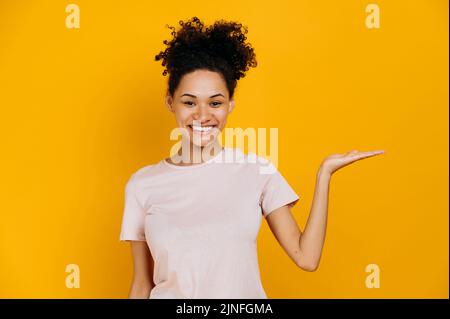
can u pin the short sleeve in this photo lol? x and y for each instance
(276, 192)
(133, 219)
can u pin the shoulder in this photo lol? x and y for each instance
(144, 171)
(259, 164)
(142, 174)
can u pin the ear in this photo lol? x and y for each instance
(231, 105)
(169, 102)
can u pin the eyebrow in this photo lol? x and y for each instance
(191, 95)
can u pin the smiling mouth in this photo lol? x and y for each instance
(202, 129)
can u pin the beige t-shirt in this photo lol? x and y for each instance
(201, 222)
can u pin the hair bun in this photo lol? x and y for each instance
(221, 46)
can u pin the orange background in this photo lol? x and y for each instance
(81, 109)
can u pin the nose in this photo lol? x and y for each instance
(201, 113)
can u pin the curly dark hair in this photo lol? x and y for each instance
(220, 47)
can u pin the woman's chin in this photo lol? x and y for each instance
(203, 140)
(202, 143)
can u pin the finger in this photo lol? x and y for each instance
(375, 152)
(351, 152)
(367, 154)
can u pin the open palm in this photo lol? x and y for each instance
(336, 161)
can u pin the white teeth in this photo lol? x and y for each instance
(202, 128)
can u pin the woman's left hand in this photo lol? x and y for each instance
(336, 161)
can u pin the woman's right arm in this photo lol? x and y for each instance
(142, 282)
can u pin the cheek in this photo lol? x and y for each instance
(182, 115)
(221, 115)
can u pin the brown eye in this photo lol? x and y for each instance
(188, 103)
(216, 104)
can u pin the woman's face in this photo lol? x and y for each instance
(201, 105)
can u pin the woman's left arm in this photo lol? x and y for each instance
(305, 249)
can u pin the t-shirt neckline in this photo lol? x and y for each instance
(222, 151)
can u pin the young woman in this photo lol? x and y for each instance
(193, 224)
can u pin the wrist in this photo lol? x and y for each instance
(323, 173)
